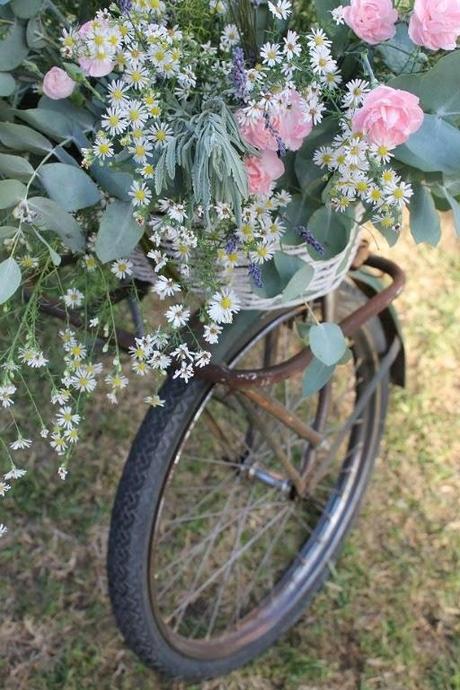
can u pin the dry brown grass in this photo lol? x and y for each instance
(388, 619)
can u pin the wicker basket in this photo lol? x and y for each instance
(328, 275)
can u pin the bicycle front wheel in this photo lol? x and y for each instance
(212, 552)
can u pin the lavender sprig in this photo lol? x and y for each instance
(310, 239)
(279, 142)
(255, 273)
(125, 5)
(238, 74)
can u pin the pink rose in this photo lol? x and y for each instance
(57, 84)
(435, 24)
(372, 20)
(388, 116)
(256, 132)
(263, 171)
(91, 66)
(294, 124)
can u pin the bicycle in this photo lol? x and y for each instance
(234, 503)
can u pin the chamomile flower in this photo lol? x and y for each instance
(21, 443)
(291, 46)
(262, 253)
(211, 333)
(154, 401)
(73, 298)
(103, 147)
(140, 193)
(177, 315)
(62, 471)
(281, 10)
(230, 37)
(122, 268)
(3, 529)
(271, 54)
(6, 394)
(398, 194)
(15, 473)
(83, 380)
(160, 134)
(67, 418)
(4, 487)
(114, 121)
(222, 305)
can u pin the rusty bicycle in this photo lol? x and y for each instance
(238, 494)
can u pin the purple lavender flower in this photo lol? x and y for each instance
(232, 244)
(279, 142)
(310, 239)
(238, 74)
(255, 273)
(125, 5)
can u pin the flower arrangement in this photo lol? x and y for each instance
(166, 149)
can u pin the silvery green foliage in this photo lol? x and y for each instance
(208, 149)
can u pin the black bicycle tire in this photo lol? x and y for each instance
(135, 504)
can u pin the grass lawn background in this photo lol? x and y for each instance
(390, 615)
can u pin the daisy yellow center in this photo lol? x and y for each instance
(226, 303)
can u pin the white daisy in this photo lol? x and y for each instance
(73, 298)
(271, 54)
(177, 315)
(222, 305)
(122, 268)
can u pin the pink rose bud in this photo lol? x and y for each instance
(388, 116)
(373, 21)
(263, 171)
(57, 84)
(435, 24)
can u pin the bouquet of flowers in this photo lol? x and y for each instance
(179, 146)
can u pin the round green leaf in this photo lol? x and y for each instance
(25, 9)
(23, 138)
(10, 279)
(299, 282)
(70, 186)
(425, 225)
(316, 376)
(7, 84)
(34, 33)
(118, 232)
(327, 343)
(434, 147)
(55, 125)
(15, 166)
(13, 48)
(50, 216)
(11, 193)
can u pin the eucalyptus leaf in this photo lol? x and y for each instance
(399, 53)
(55, 258)
(10, 279)
(7, 84)
(114, 182)
(70, 186)
(307, 172)
(299, 282)
(55, 125)
(23, 138)
(80, 116)
(118, 232)
(11, 193)
(425, 225)
(15, 166)
(455, 206)
(7, 231)
(25, 9)
(435, 146)
(316, 376)
(13, 47)
(51, 216)
(35, 33)
(298, 212)
(287, 265)
(331, 229)
(327, 342)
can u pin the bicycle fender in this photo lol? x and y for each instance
(370, 285)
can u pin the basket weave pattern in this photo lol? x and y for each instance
(328, 274)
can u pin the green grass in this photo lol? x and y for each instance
(389, 618)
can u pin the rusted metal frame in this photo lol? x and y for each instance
(385, 365)
(273, 442)
(248, 378)
(279, 411)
